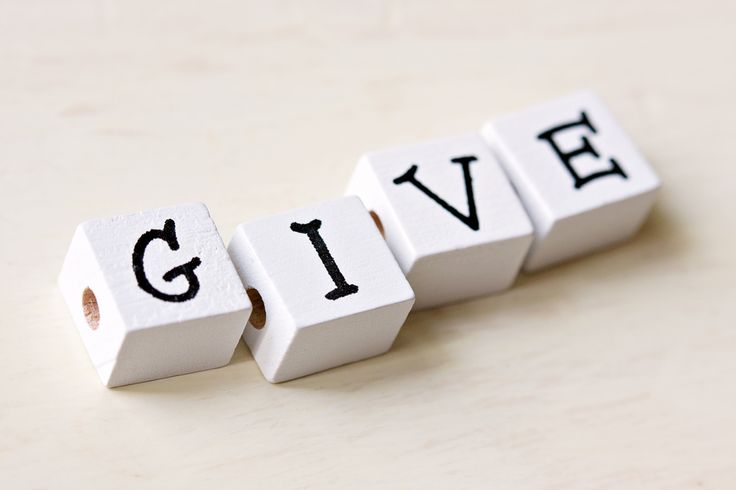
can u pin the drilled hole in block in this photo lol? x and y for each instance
(378, 223)
(258, 316)
(90, 308)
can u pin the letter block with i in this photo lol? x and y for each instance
(449, 214)
(154, 294)
(582, 180)
(325, 288)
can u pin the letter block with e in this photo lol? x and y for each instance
(582, 180)
(449, 214)
(325, 288)
(154, 294)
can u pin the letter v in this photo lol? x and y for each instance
(471, 220)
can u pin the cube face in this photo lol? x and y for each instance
(217, 290)
(332, 291)
(582, 180)
(167, 295)
(450, 216)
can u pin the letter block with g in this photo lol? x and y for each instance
(154, 294)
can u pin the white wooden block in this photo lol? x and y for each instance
(582, 180)
(331, 290)
(154, 294)
(449, 214)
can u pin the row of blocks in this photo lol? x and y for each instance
(157, 294)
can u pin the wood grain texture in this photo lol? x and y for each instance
(614, 371)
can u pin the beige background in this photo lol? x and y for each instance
(612, 372)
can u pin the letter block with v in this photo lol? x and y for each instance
(449, 214)
(154, 294)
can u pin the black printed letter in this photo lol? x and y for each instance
(167, 234)
(342, 288)
(567, 157)
(471, 220)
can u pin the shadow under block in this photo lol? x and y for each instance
(582, 180)
(154, 294)
(449, 214)
(332, 292)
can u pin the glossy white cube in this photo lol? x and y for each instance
(446, 255)
(138, 336)
(578, 202)
(306, 331)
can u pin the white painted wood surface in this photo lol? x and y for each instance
(583, 181)
(449, 214)
(609, 372)
(315, 319)
(147, 325)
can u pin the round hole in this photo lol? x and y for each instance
(377, 221)
(258, 316)
(90, 308)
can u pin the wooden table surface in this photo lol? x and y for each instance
(612, 372)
